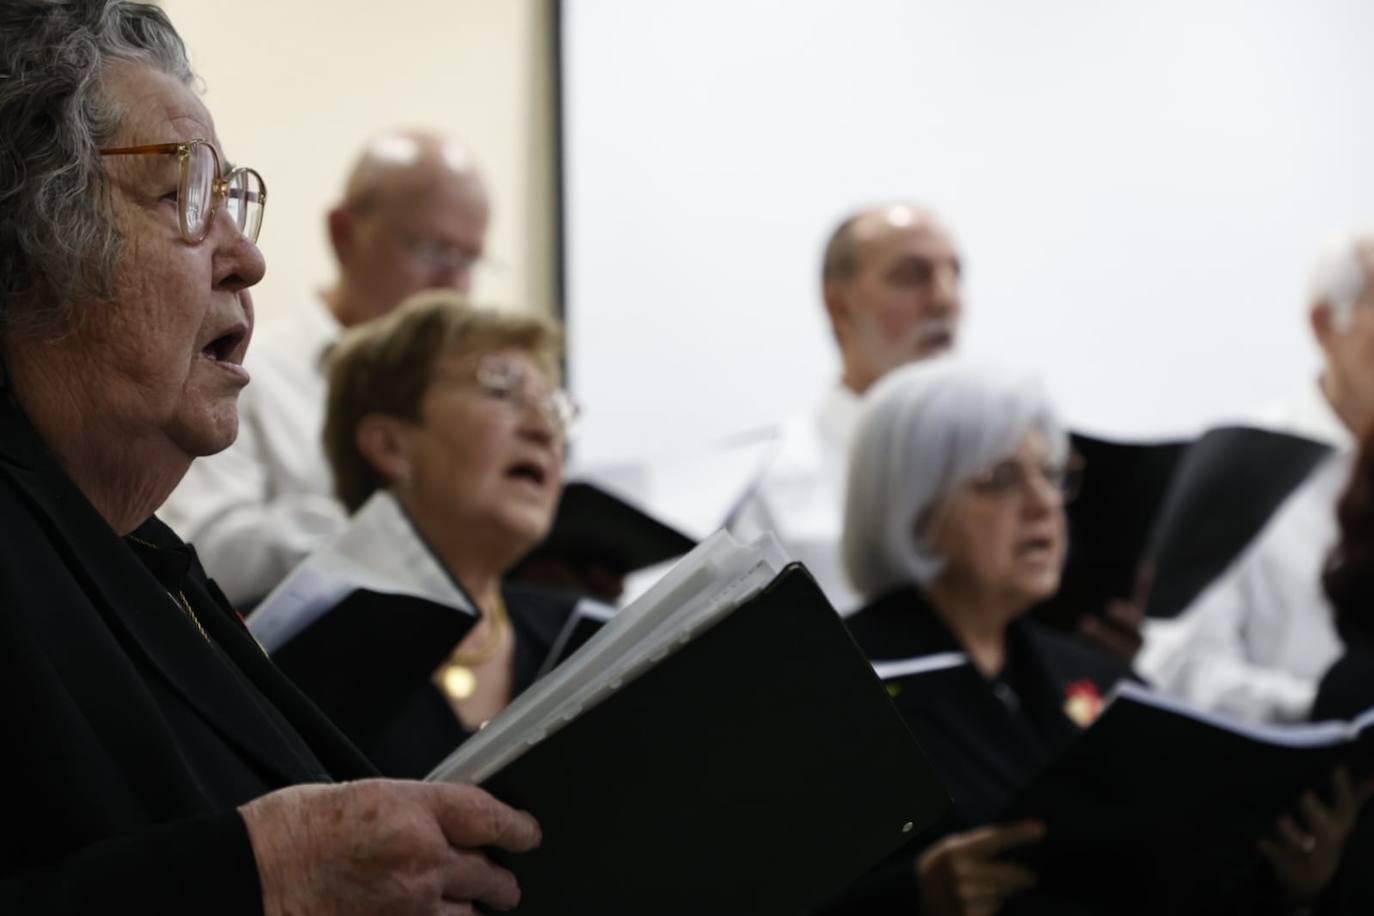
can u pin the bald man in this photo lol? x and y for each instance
(413, 216)
(890, 281)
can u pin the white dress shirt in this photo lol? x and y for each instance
(262, 505)
(800, 494)
(1256, 642)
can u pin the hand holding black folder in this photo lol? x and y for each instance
(1158, 803)
(751, 764)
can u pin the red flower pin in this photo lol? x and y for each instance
(1082, 703)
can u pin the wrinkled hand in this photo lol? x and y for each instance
(1305, 855)
(1118, 631)
(960, 875)
(384, 846)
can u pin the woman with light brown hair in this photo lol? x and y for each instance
(445, 431)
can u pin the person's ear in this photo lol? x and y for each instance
(1324, 325)
(384, 442)
(841, 312)
(343, 226)
(925, 527)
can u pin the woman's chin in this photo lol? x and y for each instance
(525, 529)
(206, 432)
(1038, 586)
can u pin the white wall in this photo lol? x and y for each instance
(297, 87)
(1137, 186)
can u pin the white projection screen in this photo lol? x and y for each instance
(1138, 189)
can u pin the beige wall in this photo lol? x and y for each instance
(296, 88)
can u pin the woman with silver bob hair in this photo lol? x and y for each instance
(929, 429)
(954, 528)
(157, 762)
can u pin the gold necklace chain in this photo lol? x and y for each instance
(179, 598)
(456, 677)
(497, 623)
(186, 606)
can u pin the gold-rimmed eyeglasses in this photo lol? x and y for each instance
(507, 381)
(202, 184)
(510, 383)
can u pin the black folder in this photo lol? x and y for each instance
(363, 686)
(586, 620)
(755, 771)
(593, 526)
(1227, 486)
(1160, 805)
(1110, 520)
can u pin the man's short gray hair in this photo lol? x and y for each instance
(926, 428)
(1339, 276)
(58, 242)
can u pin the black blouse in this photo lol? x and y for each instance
(985, 737)
(235, 778)
(426, 730)
(129, 738)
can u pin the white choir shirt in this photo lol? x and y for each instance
(1257, 641)
(800, 494)
(378, 549)
(257, 509)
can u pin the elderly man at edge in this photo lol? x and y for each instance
(1256, 642)
(413, 217)
(154, 757)
(890, 280)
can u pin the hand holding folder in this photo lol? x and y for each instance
(1307, 846)
(1159, 803)
(720, 746)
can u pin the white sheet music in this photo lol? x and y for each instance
(710, 582)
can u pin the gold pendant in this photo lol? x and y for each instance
(459, 682)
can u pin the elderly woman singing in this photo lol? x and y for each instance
(155, 760)
(445, 432)
(954, 529)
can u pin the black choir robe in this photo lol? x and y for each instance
(362, 624)
(426, 730)
(985, 738)
(129, 740)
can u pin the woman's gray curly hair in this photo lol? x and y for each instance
(58, 242)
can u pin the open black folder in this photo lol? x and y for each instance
(1226, 488)
(753, 766)
(593, 525)
(1110, 520)
(1161, 804)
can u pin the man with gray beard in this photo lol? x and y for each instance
(890, 281)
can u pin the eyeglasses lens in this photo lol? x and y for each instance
(245, 202)
(197, 191)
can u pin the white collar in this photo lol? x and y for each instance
(380, 551)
